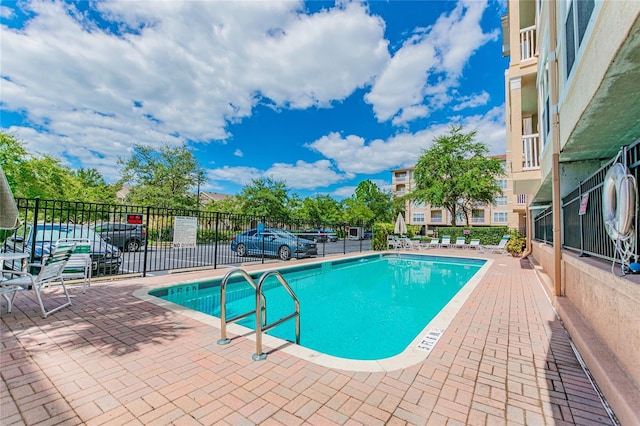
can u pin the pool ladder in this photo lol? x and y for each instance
(260, 310)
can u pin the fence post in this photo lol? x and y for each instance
(582, 253)
(215, 242)
(34, 229)
(146, 245)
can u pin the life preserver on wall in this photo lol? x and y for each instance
(618, 202)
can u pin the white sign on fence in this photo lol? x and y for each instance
(185, 231)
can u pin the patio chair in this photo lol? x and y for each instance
(474, 244)
(394, 242)
(499, 248)
(50, 271)
(446, 241)
(79, 264)
(460, 243)
(434, 243)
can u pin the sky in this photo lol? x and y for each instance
(320, 95)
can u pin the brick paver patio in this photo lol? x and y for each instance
(114, 359)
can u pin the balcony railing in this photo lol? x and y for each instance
(527, 43)
(436, 220)
(531, 152)
(477, 220)
(522, 199)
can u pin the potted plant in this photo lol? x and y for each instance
(516, 244)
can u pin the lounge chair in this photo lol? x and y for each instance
(79, 264)
(434, 243)
(51, 270)
(460, 243)
(474, 244)
(500, 248)
(411, 244)
(446, 241)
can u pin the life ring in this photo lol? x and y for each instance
(618, 202)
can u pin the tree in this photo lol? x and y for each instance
(379, 202)
(455, 173)
(265, 197)
(165, 177)
(31, 175)
(319, 210)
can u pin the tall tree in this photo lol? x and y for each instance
(164, 177)
(379, 202)
(265, 197)
(455, 173)
(321, 210)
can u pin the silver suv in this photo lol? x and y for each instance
(126, 236)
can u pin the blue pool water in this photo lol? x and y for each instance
(364, 308)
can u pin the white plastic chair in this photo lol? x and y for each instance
(474, 244)
(446, 241)
(500, 248)
(460, 242)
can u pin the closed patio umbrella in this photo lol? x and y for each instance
(8, 209)
(401, 226)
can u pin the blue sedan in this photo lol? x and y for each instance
(272, 242)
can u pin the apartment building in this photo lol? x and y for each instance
(503, 211)
(573, 103)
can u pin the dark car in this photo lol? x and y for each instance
(105, 258)
(272, 242)
(125, 236)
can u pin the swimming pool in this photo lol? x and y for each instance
(364, 308)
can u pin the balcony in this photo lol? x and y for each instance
(531, 152)
(522, 199)
(477, 220)
(527, 43)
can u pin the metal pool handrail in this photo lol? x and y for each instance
(223, 305)
(260, 328)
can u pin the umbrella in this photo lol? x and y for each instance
(8, 209)
(401, 227)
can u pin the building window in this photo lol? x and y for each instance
(500, 201)
(578, 18)
(436, 216)
(418, 204)
(477, 216)
(500, 217)
(502, 183)
(417, 217)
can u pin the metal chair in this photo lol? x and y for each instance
(51, 270)
(79, 264)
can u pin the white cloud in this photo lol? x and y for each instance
(352, 154)
(301, 175)
(238, 153)
(177, 71)
(474, 101)
(422, 72)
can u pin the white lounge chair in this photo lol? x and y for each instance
(434, 243)
(446, 241)
(50, 271)
(474, 244)
(500, 248)
(460, 243)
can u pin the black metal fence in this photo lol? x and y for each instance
(143, 240)
(585, 233)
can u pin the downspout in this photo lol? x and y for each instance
(555, 140)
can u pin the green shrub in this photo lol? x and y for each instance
(516, 244)
(486, 234)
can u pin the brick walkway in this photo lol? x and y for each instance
(114, 359)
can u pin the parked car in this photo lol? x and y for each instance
(125, 236)
(316, 235)
(367, 235)
(105, 258)
(272, 242)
